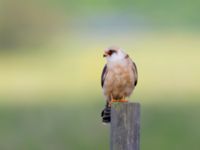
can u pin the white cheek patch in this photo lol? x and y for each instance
(116, 56)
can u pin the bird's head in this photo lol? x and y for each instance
(114, 54)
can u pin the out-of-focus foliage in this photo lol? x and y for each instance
(51, 62)
(34, 23)
(25, 24)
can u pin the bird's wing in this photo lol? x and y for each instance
(134, 68)
(103, 75)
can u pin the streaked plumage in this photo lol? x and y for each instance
(119, 77)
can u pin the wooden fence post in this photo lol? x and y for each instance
(125, 126)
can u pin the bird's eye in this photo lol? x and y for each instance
(110, 52)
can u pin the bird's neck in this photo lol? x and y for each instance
(120, 62)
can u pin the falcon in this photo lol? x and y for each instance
(118, 79)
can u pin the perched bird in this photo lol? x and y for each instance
(118, 79)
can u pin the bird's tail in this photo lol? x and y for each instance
(106, 113)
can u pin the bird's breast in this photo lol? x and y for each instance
(119, 81)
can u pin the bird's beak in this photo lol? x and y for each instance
(105, 54)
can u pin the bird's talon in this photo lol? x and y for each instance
(123, 100)
(117, 101)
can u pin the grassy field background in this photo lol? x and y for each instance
(51, 62)
(79, 127)
(53, 100)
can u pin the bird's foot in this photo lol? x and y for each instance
(117, 101)
(122, 100)
(114, 100)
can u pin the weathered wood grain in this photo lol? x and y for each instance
(125, 126)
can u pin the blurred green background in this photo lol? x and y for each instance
(51, 62)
